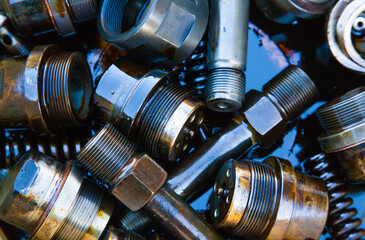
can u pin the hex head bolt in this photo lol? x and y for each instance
(343, 119)
(46, 90)
(227, 52)
(168, 30)
(138, 182)
(147, 107)
(269, 200)
(48, 200)
(287, 12)
(41, 16)
(262, 121)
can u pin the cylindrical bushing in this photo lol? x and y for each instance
(344, 122)
(146, 106)
(288, 11)
(51, 201)
(269, 200)
(46, 90)
(168, 30)
(227, 53)
(40, 16)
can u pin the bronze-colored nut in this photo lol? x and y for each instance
(139, 182)
(264, 119)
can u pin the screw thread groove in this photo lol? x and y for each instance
(343, 112)
(106, 153)
(157, 114)
(57, 89)
(83, 10)
(225, 80)
(82, 213)
(137, 221)
(292, 91)
(261, 203)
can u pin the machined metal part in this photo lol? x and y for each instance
(40, 16)
(288, 11)
(51, 201)
(341, 222)
(63, 147)
(227, 53)
(168, 30)
(346, 34)
(262, 121)
(114, 233)
(269, 200)
(344, 122)
(148, 107)
(13, 45)
(47, 90)
(138, 182)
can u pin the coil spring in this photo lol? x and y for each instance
(341, 222)
(195, 68)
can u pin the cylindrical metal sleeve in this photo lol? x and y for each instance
(177, 218)
(197, 171)
(83, 10)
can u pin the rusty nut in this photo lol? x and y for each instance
(139, 182)
(263, 118)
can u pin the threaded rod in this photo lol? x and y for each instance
(83, 10)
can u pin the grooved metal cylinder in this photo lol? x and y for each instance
(261, 121)
(47, 90)
(227, 52)
(343, 119)
(13, 45)
(14, 143)
(117, 234)
(138, 182)
(49, 201)
(137, 222)
(269, 200)
(288, 12)
(146, 106)
(41, 16)
(169, 30)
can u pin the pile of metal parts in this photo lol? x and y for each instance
(118, 116)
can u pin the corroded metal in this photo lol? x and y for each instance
(269, 200)
(138, 182)
(51, 201)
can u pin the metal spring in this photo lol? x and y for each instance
(195, 68)
(341, 222)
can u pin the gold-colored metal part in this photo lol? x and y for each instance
(269, 200)
(49, 201)
(344, 121)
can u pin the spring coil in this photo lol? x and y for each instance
(195, 68)
(341, 222)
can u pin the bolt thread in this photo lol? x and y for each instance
(157, 114)
(106, 153)
(225, 80)
(82, 213)
(127, 235)
(137, 221)
(292, 91)
(343, 112)
(57, 89)
(83, 10)
(262, 202)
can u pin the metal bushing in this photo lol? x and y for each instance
(146, 106)
(47, 90)
(346, 34)
(168, 30)
(40, 16)
(288, 11)
(49, 201)
(344, 122)
(269, 200)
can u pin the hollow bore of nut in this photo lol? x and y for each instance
(6, 40)
(120, 16)
(76, 81)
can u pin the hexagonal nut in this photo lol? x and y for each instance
(264, 119)
(139, 182)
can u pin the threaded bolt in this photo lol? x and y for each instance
(83, 10)
(137, 221)
(292, 91)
